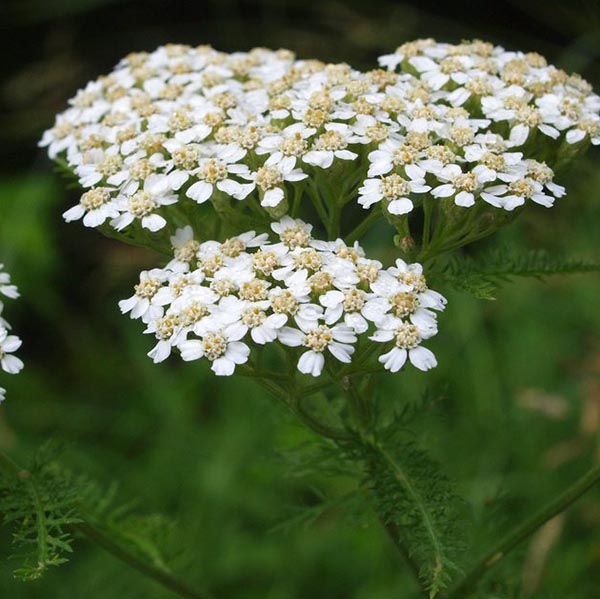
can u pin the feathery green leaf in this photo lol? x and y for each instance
(416, 501)
(483, 276)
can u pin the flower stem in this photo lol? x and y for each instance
(95, 534)
(292, 398)
(523, 531)
(363, 227)
(361, 405)
(427, 214)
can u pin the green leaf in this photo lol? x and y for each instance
(40, 504)
(482, 276)
(416, 502)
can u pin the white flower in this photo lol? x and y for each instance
(141, 304)
(436, 75)
(142, 205)
(293, 232)
(318, 338)
(178, 283)
(271, 177)
(95, 206)
(395, 189)
(514, 194)
(586, 127)
(167, 330)
(216, 172)
(403, 295)
(463, 185)
(406, 338)
(391, 153)
(292, 141)
(349, 303)
(331, 144)
(254, 317)
(8, 343)
(185, 249)
(219, 344)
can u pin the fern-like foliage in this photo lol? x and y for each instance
(417, 505)
(483, 276)
(40, 504)
(45, 505)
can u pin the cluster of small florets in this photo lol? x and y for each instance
(219, 301)
(8, 343)
(195, 124)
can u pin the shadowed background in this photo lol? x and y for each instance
(521, 415)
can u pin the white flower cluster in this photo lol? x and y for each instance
(486, 122)
(184, 123)
(8, 343)
(217, 300)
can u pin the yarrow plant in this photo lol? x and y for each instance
(258, 175)
(213, 298)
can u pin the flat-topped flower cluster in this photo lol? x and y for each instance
(8, 343)
(469, 122)
(222, 300)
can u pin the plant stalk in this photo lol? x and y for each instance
(523, 531)
(96, 535)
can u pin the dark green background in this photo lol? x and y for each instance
(521, 417)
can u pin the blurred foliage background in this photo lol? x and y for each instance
(520, 417)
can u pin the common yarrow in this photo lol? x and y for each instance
(463, 134)
(220, 300)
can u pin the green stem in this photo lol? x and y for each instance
(93, 533)
(362, 412)
(523, 531)
(333, 229)
(163, 578)
(293, 400)
(363, 227)
(255, 373)
(428, 212)
(394, 535)
(317, 201)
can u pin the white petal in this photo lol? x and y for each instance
(154, 222)
(290, 337)
(311, 362)
(519, 135)
(223, 367)
(394, 360)
(272, 197)
(575, 135)
(11, 364)
(200, 191)
(74, 213)
(443, 191)
(342, 352)
(464, 198)
(11, 343)
(160, 352)
(190, 350)
(422, 358)
(322, 158)
(401, 206)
